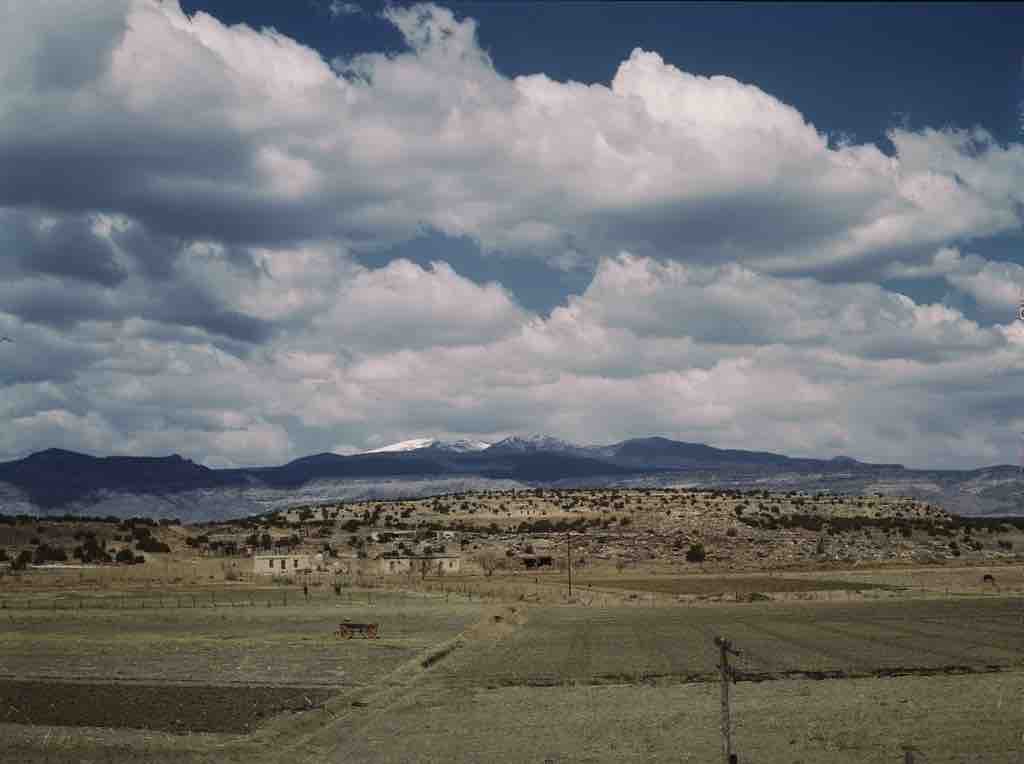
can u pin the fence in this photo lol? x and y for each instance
(284, 598)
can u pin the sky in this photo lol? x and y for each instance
(245, 232)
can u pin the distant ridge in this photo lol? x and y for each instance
(57, 480)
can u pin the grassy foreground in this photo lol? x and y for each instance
(454, 679)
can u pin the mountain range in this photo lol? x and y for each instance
(56, 481)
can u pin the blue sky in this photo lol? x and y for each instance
(853, 70)
(245, 232)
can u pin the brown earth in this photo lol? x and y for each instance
(165, 707)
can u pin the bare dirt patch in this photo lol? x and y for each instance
(723, 585)
(169, 708)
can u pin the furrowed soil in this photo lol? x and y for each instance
(228, 646)
(172, 708)
(857, 680)
(567, 645)
(731, 585)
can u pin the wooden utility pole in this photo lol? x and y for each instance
(568, 559)
(728, 674)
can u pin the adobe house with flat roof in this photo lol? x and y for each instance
(437, 564)
(280, 563)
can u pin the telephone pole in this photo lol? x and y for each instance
(568, 558)
(728, 674)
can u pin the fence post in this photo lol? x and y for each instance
(727, 675)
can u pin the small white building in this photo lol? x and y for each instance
(281, 563)
(435, 564)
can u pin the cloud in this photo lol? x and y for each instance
(404, 305)
(188, 210)
(202, 130)
(716, 353)
(337, 8)
(996, 287)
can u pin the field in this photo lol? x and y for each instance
(96, 676)
(219, 665)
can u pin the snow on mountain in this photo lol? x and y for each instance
(462, 446)
(406, 445)
(415, 444)
(534, 443)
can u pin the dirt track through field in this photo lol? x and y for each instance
(413, 701)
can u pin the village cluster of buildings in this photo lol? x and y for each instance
(379, 553)
(289, 563)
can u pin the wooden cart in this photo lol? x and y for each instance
(347, 630)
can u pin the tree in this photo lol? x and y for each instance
(150, 544)
(22, 560)
(45, 553)
(696, 553)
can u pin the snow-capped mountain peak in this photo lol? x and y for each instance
(534, 442)
(462, 446)
(415, 444)
(406, 445)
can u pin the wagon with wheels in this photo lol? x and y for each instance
(348, 629)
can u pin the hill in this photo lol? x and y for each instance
(57, 481)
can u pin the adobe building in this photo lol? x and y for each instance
(437, 564)
(281, 563)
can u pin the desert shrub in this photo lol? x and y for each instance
(45, 553)
(149, 544)
(731, 533)
(1004, 544)
(3, 555)
(125, 556)
(696, 553)
(22, 560)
